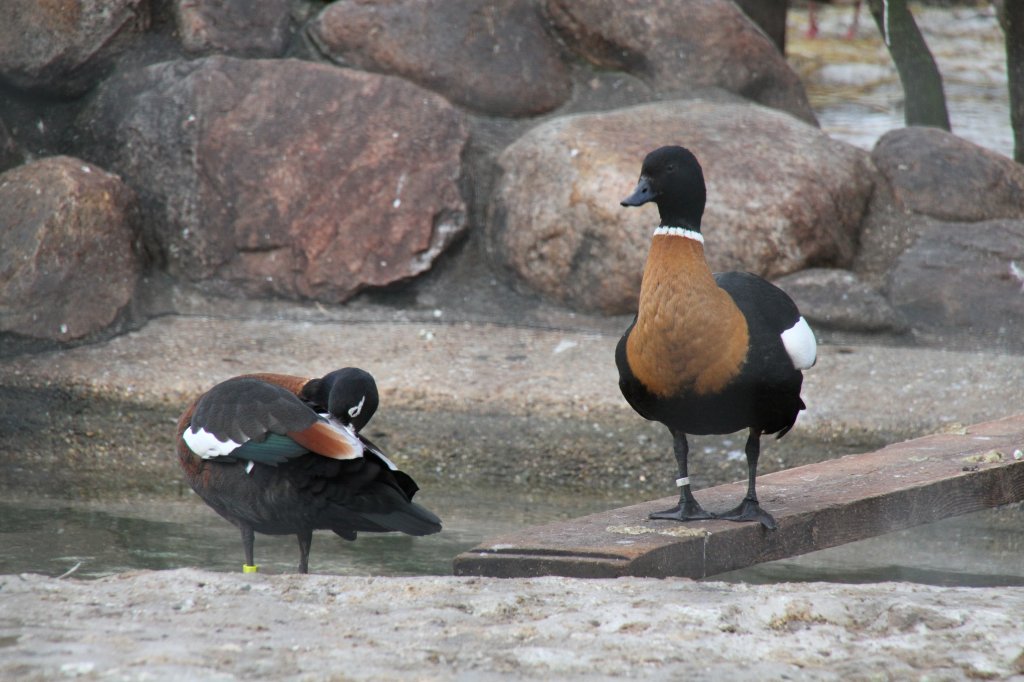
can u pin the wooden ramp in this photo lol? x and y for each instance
(816, 506)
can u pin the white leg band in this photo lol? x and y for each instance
(680, 482)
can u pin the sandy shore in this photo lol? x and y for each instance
(192, 624)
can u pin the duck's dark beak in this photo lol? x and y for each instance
(641, 195)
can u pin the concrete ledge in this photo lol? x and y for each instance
(817, 506)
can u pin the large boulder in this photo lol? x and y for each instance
(69, 264)
(237, 27)
(492, 57)
(284, 177)
(62, 47)
(677, 45)
(938, 174)
(964, 282)
(929, 176)
(782, 196)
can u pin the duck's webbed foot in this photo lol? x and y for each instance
(686, 510)
(750, 510)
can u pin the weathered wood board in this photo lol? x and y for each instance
(817, 506)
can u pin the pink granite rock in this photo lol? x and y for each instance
(285, 177)
(680, 45)
(63, 47)
(493, 57)
(69, 264)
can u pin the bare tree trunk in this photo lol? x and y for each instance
(1011, 16)
(925, 102)
(770, 15)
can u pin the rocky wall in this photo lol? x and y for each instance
(312, 152)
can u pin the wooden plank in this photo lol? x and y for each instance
(817, 506)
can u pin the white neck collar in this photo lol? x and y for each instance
(679, 232)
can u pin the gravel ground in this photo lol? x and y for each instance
(505, 369)
(466, 401)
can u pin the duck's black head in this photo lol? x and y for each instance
(349, 394)
(672, 178)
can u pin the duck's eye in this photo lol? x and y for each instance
(354, 411)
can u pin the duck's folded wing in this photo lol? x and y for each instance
(253, 419)
(777, 315)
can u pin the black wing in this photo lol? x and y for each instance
(766, 306)
(250, 418)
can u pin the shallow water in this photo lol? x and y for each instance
(982, 549)
(102, 538)
(855, 89)
(52, 537)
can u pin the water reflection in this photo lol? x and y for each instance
(983, 549)
(52, 537)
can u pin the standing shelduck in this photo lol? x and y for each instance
(282, 455)
(707, 353)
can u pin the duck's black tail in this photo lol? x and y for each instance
(389, 509)
(409, 518)
(371, 495)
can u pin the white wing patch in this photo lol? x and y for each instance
(384, 458)
(801, 345)
(207, 445)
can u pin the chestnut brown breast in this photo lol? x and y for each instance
(689, 335)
